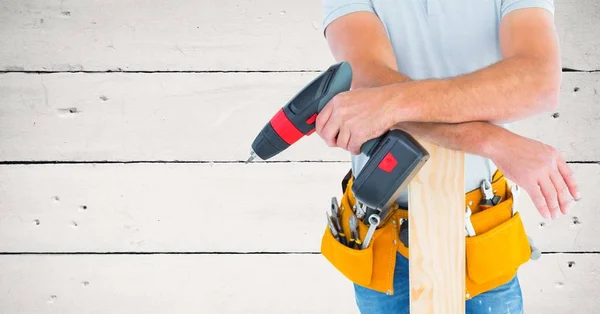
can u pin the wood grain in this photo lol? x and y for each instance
(224, 284)
(437, 234)
(165, 207)
(128, 117)
(207, 35)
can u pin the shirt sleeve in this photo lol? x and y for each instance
(333, 9)
(511, 5)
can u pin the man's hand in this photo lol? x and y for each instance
(352, 118)
(539, 169)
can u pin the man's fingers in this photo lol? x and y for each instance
(343, 138)
(567, 174)
(330, 131)
(322, 119)
(564, 197)
(539, 201)
(353, 147)
(549, 192)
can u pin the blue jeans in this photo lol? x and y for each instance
(502, 300)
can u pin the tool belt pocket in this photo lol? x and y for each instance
(371, 267)
(355, 264)
(500, 246)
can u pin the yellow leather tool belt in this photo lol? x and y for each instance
(493, 255)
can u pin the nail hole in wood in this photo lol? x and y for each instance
(570, 264)
(576, 220)
(36, 222)
(576, 89)
(52, 299)
(555, 115)
(542, 224)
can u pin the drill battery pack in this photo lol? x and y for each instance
(392, 164)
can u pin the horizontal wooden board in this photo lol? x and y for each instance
(241, 284)
(212, 208)
(72, 35)
(124, 117)
(578, 26)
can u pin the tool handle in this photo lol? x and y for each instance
(339, 82)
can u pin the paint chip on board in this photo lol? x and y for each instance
(55, 198)
(52, 299)
(66, 13)
(103, 98)
(559, 284)
(67, 112)
(85, 283)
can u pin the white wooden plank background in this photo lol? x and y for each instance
(50, 211)
(167, 208)
(184, 35)
(188, 116)
(241, 284)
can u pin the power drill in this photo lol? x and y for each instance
(394, 158)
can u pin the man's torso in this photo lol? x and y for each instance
(440, 39)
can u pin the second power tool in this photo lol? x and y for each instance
(394, 158)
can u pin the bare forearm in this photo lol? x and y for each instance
(510, 90)
(470, 137)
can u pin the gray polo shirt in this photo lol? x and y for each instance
(439, 39)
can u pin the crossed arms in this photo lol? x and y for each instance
(456, 112)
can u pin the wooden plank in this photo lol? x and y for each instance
(573, 128)
(578, 28)
(146, 116)
(226, 284)
(73, 35)
(166, 207)
(190, 116)
(561, 283)
(437, 237)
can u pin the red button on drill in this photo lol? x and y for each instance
(312, 119)
(388, 163)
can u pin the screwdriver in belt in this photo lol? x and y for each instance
(354, 235)
(332, 228)
(335, 216)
